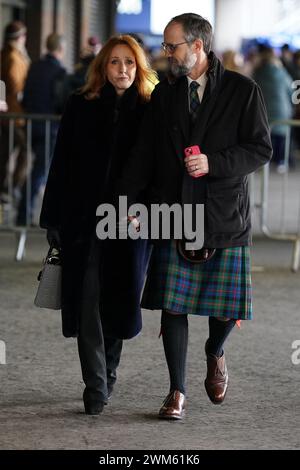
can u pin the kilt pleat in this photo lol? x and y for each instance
(220, 287)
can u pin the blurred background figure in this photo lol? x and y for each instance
(296, 130)
(94, 46)
(14, 68)
(160, 64)
(287, 59)
(3, 106)
(138, 39)
(251, 61)
(276, 86)
(77, 79)
(141, 42)
(296, 64)
(233, 61)
(43, 94)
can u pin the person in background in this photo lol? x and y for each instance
(14, 68)
(233, 61)
(287, 60)
(251, 61)
(160, 64)
(296, 130)
(101, 279)
(296, 62)
(42, 95)
(276, 86)
(139, 40)
(77, 79)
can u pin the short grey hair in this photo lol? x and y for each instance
(195, 27)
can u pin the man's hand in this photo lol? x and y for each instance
(197, 165)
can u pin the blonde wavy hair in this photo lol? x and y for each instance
(145, 79)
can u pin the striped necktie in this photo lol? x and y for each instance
(194, 100)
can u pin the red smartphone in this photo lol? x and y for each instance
(193, 150)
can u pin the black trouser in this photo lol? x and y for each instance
(99, 355)
(38, 175)
(19, 140)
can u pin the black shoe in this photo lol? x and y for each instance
(111, 380)
(110, 388)
(93, 408)
(92, 404)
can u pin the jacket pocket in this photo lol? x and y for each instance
(225, 213)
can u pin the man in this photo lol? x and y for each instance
(14, 67)
(77, 79)
(43, 94)
(223, 113)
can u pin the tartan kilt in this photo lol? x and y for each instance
(221, 287)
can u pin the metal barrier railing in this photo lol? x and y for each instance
(8, 207)
(9, 222)
(286, 199)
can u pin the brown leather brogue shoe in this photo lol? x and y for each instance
(173, 406)
(216, 381)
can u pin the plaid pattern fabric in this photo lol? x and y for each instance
(194, 100)
(220, 288)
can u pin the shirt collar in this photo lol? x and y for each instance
(202, 80)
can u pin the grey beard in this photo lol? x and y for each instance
(178, 70)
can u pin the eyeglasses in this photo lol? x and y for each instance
(171, 48)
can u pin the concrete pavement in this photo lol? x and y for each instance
(41, 386)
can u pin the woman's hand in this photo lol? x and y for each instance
(135, 222)
(197, 165)
(124, 223)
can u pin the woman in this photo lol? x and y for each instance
(102, 280)
(14, 62)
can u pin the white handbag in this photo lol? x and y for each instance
(49, 290)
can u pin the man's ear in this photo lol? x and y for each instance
(198, 45)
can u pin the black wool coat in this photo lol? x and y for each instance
(93, 145)
(231, 129)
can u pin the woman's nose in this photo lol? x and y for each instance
(122, 67)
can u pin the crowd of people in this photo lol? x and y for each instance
(274, 71)
(40, 88)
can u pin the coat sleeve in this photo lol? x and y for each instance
(138, 172)
(56, 187)
(59, 93)
(16, 76)
(254, 147)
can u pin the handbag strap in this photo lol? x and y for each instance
(49, 254)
